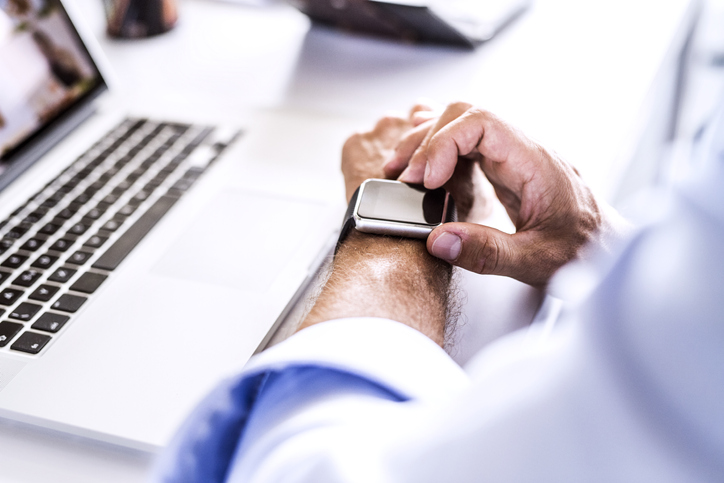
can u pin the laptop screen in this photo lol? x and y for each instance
(46, 73)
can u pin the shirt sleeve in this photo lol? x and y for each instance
(318, 377)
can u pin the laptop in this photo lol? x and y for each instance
(141, 261)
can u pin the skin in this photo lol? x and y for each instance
(397, 279)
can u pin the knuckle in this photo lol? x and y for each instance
(420, 107)
(352, 141)
(388, 121)
(491, 254)
(355, 138)
(459, 106)
(483, 256)
(480, 113)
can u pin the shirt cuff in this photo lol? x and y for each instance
(386, 352)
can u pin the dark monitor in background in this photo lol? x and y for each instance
(464, 23)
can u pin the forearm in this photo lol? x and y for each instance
(377, 276)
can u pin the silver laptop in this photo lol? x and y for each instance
(140, 260)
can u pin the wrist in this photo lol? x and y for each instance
(388, 277)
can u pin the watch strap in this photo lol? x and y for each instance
(348, 223)
(452, 211)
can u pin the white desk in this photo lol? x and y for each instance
(585, 78)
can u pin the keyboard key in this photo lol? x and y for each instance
(31, 342)
(123, 186)
(78, 229)
(98, 185)
(6, 243)
(69, 211)
(88, 282)
(9, 296)
(93, 214)
(156, 180)
(35, 216)
(32, 244)
(17, 211)
(4, 276)
(62, 275)
(141, 196)
(49, 229)
(67, 187)
(50, 322)
(18, 231)
(152, 185)
(58, 221)
(111, 225)
(28, 278)
(95, 241)
(25, 311)
(82, 198)
(44, 293)
(110, 199)
(14, 261)
(44, 261)
(69, 303)
(79, 257)
(61, 245)
(127, 210)
(49, 203)
(123, 246)
(110, 173)
(91, 191)
(8, 330)
(138, 172)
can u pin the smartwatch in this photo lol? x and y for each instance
(386, 207)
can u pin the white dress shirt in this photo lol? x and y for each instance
(628, 387)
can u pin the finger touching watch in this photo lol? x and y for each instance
(386, 207)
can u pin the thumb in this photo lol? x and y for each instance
(477, 248)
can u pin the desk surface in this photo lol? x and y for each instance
(574, 75)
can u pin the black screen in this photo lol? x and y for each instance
(393, 201)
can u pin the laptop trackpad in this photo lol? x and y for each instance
(241, 240)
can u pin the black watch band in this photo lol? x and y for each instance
(348, 222)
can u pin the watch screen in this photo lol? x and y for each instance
(393, 201)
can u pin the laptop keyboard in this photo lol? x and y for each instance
(60, 246)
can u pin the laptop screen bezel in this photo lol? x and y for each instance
(27, 152)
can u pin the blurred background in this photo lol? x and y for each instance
(619, 88)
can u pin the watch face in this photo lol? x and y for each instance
(401, 202)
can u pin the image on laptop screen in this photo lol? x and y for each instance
(44, 71)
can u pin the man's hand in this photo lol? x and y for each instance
(364, 154)
(554, 212)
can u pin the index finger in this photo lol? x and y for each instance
(475, 130)
(417, 164)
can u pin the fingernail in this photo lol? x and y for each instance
(447, 246)
(404, 175)
(427, 171)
